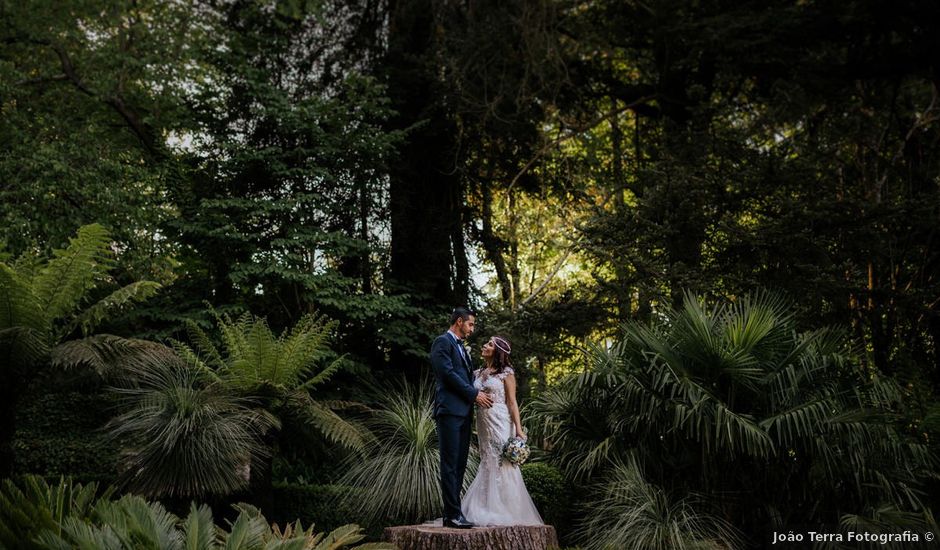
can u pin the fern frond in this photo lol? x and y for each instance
(62, 283)
(19, 306)
(110, 355)
(190, 358)
(92, 316)
(330, 424)
(22, 348)
(207, 351)
(325, 374)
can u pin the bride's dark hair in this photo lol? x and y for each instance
(501, 350)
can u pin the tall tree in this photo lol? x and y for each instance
(425, 196)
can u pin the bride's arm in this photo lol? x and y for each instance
(510, 383)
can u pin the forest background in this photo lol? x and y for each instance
(562, 167)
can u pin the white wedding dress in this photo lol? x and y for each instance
(497, 495)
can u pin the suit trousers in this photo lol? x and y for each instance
(453, 436)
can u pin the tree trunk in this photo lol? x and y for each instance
(518, 537)
(424, 187)
(624, 288)
(492, 244)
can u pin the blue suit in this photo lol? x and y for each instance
(454, 395)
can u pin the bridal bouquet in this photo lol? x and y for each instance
(516, 451)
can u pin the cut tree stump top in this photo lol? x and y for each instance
(515, 537)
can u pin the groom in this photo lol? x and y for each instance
(454, 397)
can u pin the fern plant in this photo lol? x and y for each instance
(278, 371)
(50, 300)
(44, 303)
(205, 419)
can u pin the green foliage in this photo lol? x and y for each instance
(83, 120)
(205, 420)
(703, 390)
(552, 495)
(325, 506)
(36, 515)
(398, 474)
(185, 436)
(277, 371)
(44, 302)
(628, 512)
(59, 434)
(30, 506)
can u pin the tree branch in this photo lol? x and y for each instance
(144, 133)
(574, 133)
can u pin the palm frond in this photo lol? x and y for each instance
(706, 388)
(76, 533)
(135, 519)
(31, 505)
(199, 532)
(800, 422)
(247, 532)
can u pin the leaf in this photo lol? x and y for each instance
(198, 528)
(62, 283)
(91, 317)
(19, 306)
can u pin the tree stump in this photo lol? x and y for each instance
(516, 537)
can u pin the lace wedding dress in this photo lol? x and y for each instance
(497, 495)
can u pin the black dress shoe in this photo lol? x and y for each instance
(459, 523)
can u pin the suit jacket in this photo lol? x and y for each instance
(454, 393)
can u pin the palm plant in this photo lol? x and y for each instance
(704, 392)
(398, 475)
(46, 303)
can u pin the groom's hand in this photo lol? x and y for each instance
(484, 400)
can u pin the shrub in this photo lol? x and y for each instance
(732, 387)
(325, 507)
(552, 495)
(59, 434)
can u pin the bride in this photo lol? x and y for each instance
(497, 495)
